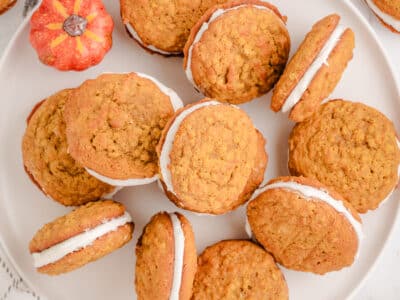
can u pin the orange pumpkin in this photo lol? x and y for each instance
(71, 34)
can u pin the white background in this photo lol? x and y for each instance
(383, 282)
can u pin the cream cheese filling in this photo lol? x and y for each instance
(179, 246)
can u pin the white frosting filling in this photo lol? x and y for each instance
(176, 103)
(78, 242)
(179, 239)
(388, 19)
(135, 35)
(204, 28)
(122, 182)
(309, 192)
(169, 140)
(312, 70)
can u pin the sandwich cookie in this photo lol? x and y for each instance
(349, 147)
(387, 11)
(166, 259)
(315, 69)
(211, 157)
(46, 159)
(114, 123)
(238, 269)
(229, 56)
(6, 5)
(82, 236)
(304, 225)
(162, 28)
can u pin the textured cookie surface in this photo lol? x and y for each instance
(242, 53)
(238, 269)
(114, 123)
(79, 220)
(301, 233)
(155, 254)
(217, 159)
(164, 24)
(326, 78)
(350, 147)
(46, 158)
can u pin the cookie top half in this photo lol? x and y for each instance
(211, 157)
(166, 258)
(315, 69)
(305, 225)
(237, 51)
(163, 27)
(46, 158)
(350, 147)
(388, 12)
(81, 236)
(238, 269)
(114, 123)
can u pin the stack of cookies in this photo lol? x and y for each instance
(83, 144)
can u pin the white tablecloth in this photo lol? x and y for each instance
(382, 283)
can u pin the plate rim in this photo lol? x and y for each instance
(395, 221)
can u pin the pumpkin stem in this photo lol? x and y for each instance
(75, 25)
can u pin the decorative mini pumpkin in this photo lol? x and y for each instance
(71, 34)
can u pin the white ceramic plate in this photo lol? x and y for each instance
(23, 208)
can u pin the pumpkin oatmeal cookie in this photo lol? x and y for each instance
(82, 236)
(238, 269)
(114, 123)
(315, 69)
(211, 157)
(349, 147)
(237, 51)
(304, 225)
(166, 258)
(46, 159)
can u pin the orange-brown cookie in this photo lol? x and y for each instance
(388, 13)
(6, 5)
(238, 269)
(211, 157)
(46, 159)
(163, 27)
(114, 123)
(315, 69)
(82, 236)
(237, 51)
(304, 225)
(350, 147)
(166, 259)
